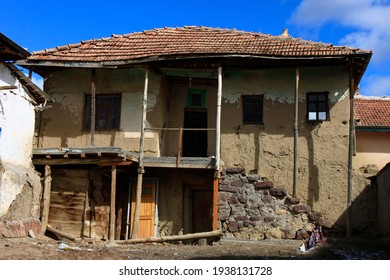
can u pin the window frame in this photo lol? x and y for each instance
(317, 103)
(87, 111)
(252, 120)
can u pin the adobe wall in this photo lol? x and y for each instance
(383, 179)
(267, 149)
(68, 88)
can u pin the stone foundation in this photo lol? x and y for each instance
(251, 207)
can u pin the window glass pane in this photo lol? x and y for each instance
(312, 97)
(322, 116)
(312, 116)
(321, 107)
(107, 111)
(312, 107)
(321, 97)
(253, 109)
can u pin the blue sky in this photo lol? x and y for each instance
(38, 25)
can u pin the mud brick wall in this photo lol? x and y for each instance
(250, 207)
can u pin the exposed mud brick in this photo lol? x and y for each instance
(264, 185)
(233, 199)
(233, 226)
(269, 218)
(302, 235)
(227, 188)
(237, 183)
(267, 199)
(292, 200)
(235, 170)
(223, 198)
(242, 198)
(298, 209)
(253, 178)
(278, 192)
(315, 216)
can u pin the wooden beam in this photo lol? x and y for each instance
(215, 203)
(93, 107)
(112, 204)
(8, 87)
(141, 170)
(179, 143)
(67, 161)
(61, 233)
(296, 105)
(208, 234)
(46, 198)
(113, 163)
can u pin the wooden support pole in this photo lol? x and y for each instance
(296, 104)
(218, 122)
(215, 203)
(179, 144)
(350, 149)
(46, 198)
(141, 170)
(93, 107)
(112, 203)
(189, 236)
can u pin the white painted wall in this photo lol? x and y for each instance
(17, 120)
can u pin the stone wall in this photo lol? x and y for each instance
(250, 207)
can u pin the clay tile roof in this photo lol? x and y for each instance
(372, 111)
(189, 40)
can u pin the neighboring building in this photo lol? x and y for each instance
(20, 187)
(216, 147)
(372, 115)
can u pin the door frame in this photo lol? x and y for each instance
(133, 182)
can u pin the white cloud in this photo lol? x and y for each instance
(370, 22)
(376, 86)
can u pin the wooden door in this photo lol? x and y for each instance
(147, 210)
(202, 201)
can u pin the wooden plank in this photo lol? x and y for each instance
(183, 237)
(61, 233)
(46, 198)
(215, 203)
(110, 163)
(112, 204)
(8, 87)
(67, 161)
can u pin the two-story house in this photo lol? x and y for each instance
(223, 129)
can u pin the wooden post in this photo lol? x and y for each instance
(296, 103)
(112, 203)
(180, 141)
(141, 170)
(218, 122)
(350, 149)
(46, 198)
(93, 107)
(215, 203)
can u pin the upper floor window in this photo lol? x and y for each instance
(252, 109)
(107, 111)
(317, 106)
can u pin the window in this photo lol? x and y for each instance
(317, 106)
(196, 98)
(252, 109)
(107, 111)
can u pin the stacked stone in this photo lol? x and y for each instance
(250, 207)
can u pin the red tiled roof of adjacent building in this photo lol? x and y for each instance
(372, 111)
(184, 41)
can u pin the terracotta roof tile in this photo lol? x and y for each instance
(186, 41)
(372, 111)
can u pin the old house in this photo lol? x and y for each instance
(20, 187)
(236, 130)
(372, 115)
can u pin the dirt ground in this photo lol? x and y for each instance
(43, 248)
